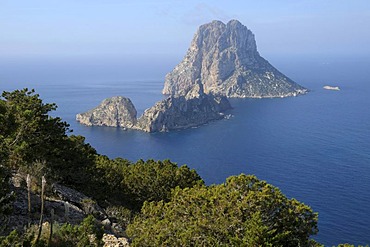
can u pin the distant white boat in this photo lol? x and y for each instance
(331, 88)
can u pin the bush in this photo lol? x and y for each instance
(13, 239)
(133, 184)
(88, 233)
(123, 216)
(242, 212)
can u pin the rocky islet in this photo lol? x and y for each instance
(222, 62)
(225, 59)
(174, 112)
(116, 112)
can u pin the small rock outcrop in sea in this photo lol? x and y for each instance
(225, 59)
(115, 112)
(175, 112)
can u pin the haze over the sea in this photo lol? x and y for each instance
(314, 147)
(164, 28)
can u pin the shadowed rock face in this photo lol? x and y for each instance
(175, 112)
(225, 59)
(179, 112)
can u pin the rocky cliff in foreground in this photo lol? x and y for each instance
(68, 206)
(225, 59)
(175, 112)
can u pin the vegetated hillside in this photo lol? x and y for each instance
(157, 202)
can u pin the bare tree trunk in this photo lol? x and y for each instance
(42, 208)
(29, 198)
(51, 227)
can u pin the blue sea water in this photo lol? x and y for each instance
(315, 148)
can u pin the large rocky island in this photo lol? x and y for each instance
(221, 62)
(225, 59)
(175, 112)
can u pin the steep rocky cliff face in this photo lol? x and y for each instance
(178, 112)
(115, 112)
(226, 61)
(221, 62)
(175, 112)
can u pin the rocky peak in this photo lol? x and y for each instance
(207, 34)
(221, 62)
(225, 59)
(116, 111)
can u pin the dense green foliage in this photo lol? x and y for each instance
(4, 131)
(172, 205)
(142, 181)
(69, 235)
(30, 131)
(30, 138)
(6, 197)
(242, 212)
(88, 233)
(28, 135)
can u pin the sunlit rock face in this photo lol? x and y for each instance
(175, 112)
(224, 58)
(115, 112)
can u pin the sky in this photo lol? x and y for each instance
(54, 28)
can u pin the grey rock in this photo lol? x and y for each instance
(19, 217)
(78, 199)
(179, 112)
(225, 59)
(116, 112)
(175, 112)
(106, 222)
(112, 241)
(118, 229)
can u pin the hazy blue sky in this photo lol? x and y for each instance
(120, 27)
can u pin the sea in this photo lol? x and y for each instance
(315, 147)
